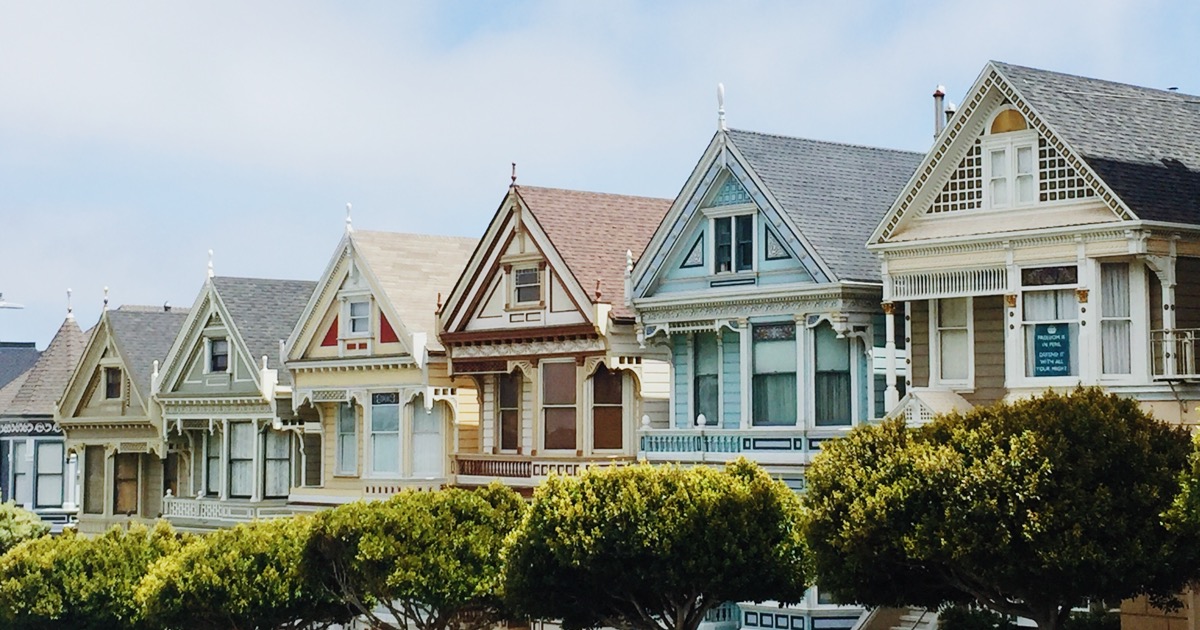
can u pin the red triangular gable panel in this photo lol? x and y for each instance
(386, 334)
(331, 336)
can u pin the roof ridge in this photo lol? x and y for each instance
(1175, 94)
(833, 143)
(257, 280)
(414, 234)
(591, 192)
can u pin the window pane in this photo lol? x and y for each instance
(312, 459)
(49, 458)
(952, 312)
(241, 440)
(277, 444)
(745, 242)
(385, 418)
(1114, 290)
(22, 482)
(276, 475)
(558, 382)
(560, 428)
(706, 398)
(241, 478)
(705, 347)
(832, 353)
(93, 480)
(346, 419)
(528, 284)
(772, 357)
(953, 354)
(1114, 336)
(509, 430)
(1024, 160)
(999, 160)
(606, 427)
(833, 398)
(347, 454)
(112, 383)
(1050, 349)
(1024, 188)
(999, 192)
(1049, 305)
(125, 487)
(510, 390)
(385, 453)
(428, 449)
(606, 387)
(724, 244)
(774, 399)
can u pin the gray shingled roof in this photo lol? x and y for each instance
(144, 335)
(44, 382)
(264, 312)
(15, 358)
(1144, 143)
(834, 193)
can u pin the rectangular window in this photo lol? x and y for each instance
(1012, 175)
(347, 440)
(428, 447)
(510, 411)
(527, 285)
(607, 409)
(360, 318)
(212, 463)
(1116, 318)
(1050, 318)
(171, 474)
(242, 438)
(125, 484)
(723, 239)
(744, 226)
(112, 383)
(998, 177)
(833, 383)
(49, 465)
(734, 240)
(276, 465)
(312, 459)
(707, 370)
(218, 355)
(93, 480)
(953, 339)
(385, 434)
(558, 405)
(774, 383)
(22, 483)
(1024, 181)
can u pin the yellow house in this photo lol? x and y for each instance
(371, 398)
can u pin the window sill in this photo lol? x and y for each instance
(525, 306)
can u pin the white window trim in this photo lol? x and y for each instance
(1010, 142)
(348, 327)
(209, 344)
(541, 420)
(1015, 337)
(35, 478)
(731, 213)
(935, 348)
(339, 467)
(627, 407)
(1139, 328)
(540, 272)
(403, 409)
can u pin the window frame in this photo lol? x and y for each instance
(694, 402)
(1010, 142)
(213, 354)
(736, 233)
(109, 373)
(248, 462)
(519, 379)
(574, 405)
(753, 340)
(351, 318)
(1020, 369)
(935, 345)
(118, 479)
(537, 273)
(370, 471)
(267, 459)
(342, 468)
(620, 405)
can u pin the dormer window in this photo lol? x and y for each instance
(218, 355)
(360, 317)
(112, 383)
(527, 285)
(733, 238)
(1011, 166)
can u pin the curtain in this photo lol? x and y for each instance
(241, 459)
(1115, 318)
(774, 398)
(832, 381)
(277, 465)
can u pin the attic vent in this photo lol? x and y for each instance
(731, 193)
(1057, 180)
(964, 191)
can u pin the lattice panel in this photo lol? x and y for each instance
(964, 191)
(1057, 180)
(954, 283)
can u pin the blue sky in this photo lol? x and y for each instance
(134, 137)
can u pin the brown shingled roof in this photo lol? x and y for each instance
(45, 381)
(592, 232)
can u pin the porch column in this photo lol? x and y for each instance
(891, 396)
(1164, 270)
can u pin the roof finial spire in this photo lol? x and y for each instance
(70, 311)
(106, 298)
(210, 264)
(514, 174)
(349, 224)
(721, 107)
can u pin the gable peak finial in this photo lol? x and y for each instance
(439, 302)
(106, 298)
(721, 108)
(210, 263)
(70, 310)
(514, 175)
(349, 223)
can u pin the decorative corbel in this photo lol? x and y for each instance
(526, 368)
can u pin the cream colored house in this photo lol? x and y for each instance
(112, 421)
(539, 321)
(371, 400)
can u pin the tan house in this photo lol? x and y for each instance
(220, 388)
(539, 321)
(112, 421)
(371, 398)
(1051, 237)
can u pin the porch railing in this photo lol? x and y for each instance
(525, 469)
(228, 511)
(1174, 353)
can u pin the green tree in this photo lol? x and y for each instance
(430, 559)
(18, 525)
(71, 581)
(1027, 508)
(655, 548)
(250, 576)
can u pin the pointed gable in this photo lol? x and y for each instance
(143, 335)
(43, 384)
(593, 233)
(263, 313)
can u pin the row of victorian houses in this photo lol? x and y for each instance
(792, 290)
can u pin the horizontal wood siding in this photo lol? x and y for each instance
(919, 344)
(989, 350)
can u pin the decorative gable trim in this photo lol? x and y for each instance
(99, 353)
(191, 337)
(931, 177)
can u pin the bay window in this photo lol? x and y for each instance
(774, 382)
(707, 371)
(833, 395)
(1050, 320)
(1116, 319)
(558, 405)
(509, 410)
(385, 434)
(607, 409)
